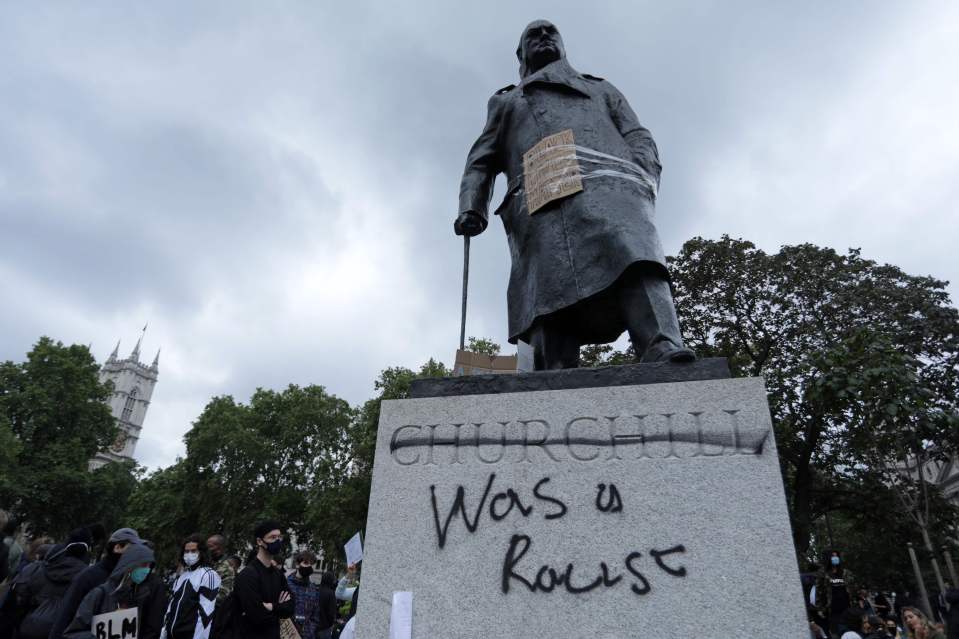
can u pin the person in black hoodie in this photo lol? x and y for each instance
(327, 606)
(42, 585)
(873, 628)
(133, 583)
(952, 621)
(92, 577)
(261, 594)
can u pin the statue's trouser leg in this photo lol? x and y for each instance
(553, 347)
(649, 314)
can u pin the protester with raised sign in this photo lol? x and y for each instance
(92, 577)
(348, 587)
(261, 594)
(191, 609)
(132, 584)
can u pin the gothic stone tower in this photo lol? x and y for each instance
(133, 384)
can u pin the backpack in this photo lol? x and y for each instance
(223, 615)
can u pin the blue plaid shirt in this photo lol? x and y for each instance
(307, 598)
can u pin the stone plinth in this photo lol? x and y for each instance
(632, 511)
(603, 376)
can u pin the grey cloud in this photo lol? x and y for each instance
(275, 186)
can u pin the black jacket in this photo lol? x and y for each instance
(952, 621)
(255, 585)
(119, 591)
(90, 578)
(41, 588)
(328, 608)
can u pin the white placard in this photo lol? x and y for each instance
(119, 624)
(349, 630)
(401, 616)
(354, 550)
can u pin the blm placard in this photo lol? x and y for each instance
(119, 624)
(633, 511)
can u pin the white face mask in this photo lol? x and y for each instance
(191, 558)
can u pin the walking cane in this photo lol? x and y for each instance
(466, 277)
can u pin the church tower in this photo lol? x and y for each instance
(133, 383)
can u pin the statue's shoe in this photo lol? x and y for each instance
(678, 356)
(668, 352)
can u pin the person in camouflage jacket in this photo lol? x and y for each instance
(216, 544)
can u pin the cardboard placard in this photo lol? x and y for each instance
(550, 170)
(288, 629)
(119, 624)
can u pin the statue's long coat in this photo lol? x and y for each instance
(572, 249)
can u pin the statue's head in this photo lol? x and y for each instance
(539, 45)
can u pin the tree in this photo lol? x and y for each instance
(894, 422)
(54, 406)
(593, 355)
(873, 535)
(337, 512)
(860, 360)
(9, 452)
(247, 462)
(822, 328)
(483, 345)
(164, 509)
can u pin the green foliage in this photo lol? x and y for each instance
(9, 453)
(483, 345)
(337, 512)
(162, 507)
(53, 405)
(860, 359)
(872, 531)
(593, 355)
(301, 456)
(246, 462)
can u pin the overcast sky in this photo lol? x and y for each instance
(272, 185)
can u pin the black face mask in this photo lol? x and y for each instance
(305, 571)
(274, 547)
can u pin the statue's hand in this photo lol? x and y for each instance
(468, 223)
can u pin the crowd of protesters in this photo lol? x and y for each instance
(840, 609)
(51, 590)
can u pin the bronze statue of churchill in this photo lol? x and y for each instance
(589, 265)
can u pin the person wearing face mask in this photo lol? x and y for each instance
(191, 609)
(93, 576)
(834, 585)
(132, 584)
(306, 594)
(261, 593)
